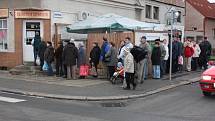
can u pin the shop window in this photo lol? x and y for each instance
(148, 11)
(3, 34)
(156, 13)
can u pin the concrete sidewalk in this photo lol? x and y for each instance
(87, 89)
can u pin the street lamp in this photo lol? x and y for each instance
(174, 16)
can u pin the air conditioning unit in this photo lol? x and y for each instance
(83, 15)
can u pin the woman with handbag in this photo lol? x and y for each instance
(111, 59)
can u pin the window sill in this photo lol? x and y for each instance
(5, 51)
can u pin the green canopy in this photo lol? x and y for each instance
(107, 23)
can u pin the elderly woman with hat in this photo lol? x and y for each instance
(129, 69)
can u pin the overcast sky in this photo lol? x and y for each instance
(211, 1)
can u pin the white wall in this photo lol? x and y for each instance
(71, 8)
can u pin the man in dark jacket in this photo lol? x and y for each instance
(70, 55)
(36, 43)
(205, 47)
(175, 55)
(49, 57)
(59, 59)
(42, 49)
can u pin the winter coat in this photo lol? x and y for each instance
(156, 56)
(112, 54)
(205, 47)
(104, 49)
(42, 49)
(49, 54)
(36, 42)
(146, 47)
(59, 54)
(81, 56)
(95, 55)
(70, 55)
(197, 51)
(138, 53)
(129, 63)
(188, 51)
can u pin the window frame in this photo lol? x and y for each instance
(179, 17)
(150, 12)
(158, 13)
(7, 37)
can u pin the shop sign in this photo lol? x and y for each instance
(4, 12)
(58, 14)
(32, 14)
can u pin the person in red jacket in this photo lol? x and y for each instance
(188, 53)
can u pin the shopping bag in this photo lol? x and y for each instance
(180, 60)
(93, 71)
(38, 61)
(45, 66)
(84, 70)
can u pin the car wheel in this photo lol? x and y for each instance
(206, 93)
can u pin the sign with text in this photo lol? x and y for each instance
(32, 14)
(4, 12)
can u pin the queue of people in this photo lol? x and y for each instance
(135, 60)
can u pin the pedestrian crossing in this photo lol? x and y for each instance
(10, 100)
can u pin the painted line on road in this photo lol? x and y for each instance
(10, 100)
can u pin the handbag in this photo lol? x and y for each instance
(93, 71)
(45, 66)
(84, 70)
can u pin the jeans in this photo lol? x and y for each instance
(194, 64)
(145, 68)
(163, 67)
(41, 63)
(36, 53)
(156, 71)
(50, 71)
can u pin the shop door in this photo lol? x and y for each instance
(29, 30)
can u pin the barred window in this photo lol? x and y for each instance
(3, 34)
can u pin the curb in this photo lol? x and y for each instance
(102, 98)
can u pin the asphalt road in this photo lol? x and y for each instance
(180, 104)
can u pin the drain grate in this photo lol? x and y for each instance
(113, 104)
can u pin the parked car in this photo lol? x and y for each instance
(207, 83)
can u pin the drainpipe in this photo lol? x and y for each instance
(204, 23)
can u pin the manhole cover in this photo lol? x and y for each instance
(113, 104)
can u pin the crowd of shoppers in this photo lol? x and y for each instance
(135, 60)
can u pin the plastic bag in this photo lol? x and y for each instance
(45, 66)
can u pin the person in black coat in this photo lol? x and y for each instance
(205, 54)
(95, 55)
(49, 57)
(42, 49)
(70, 56)
(59, 59)
(156, 60)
